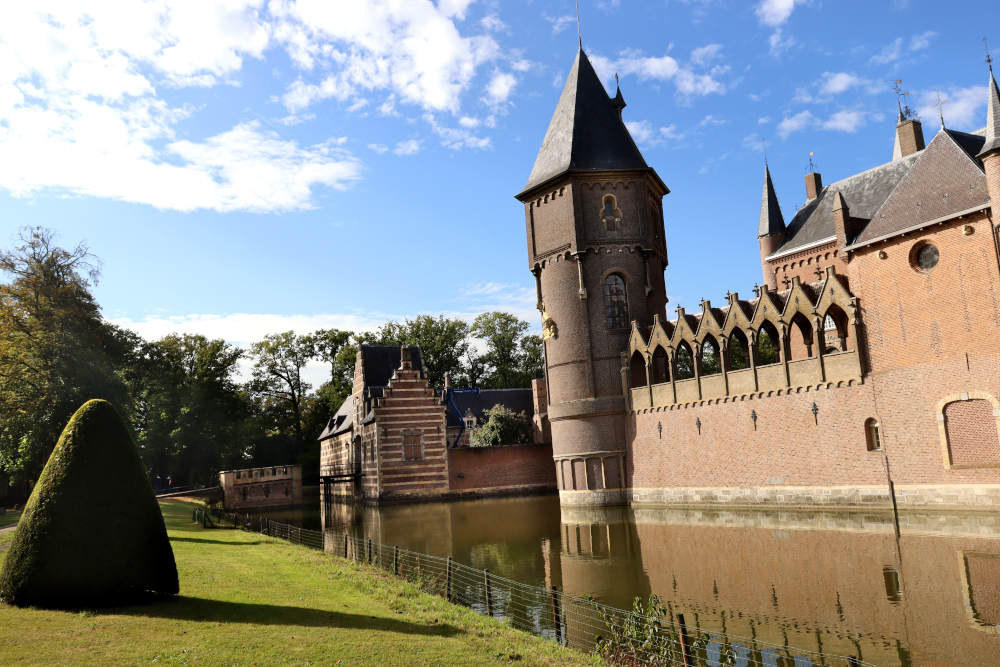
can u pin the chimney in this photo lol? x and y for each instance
(909, 136)
(404, 357)
(814, 183)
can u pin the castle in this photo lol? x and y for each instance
(867, 360)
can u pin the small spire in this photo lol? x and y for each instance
(899, 118)
(579, 33)
(771, 220)
(940, 106)
(618, 100)
(992, 143)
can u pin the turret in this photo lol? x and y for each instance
(771, 228)
(596, 247)
(990, 155)
(909, 135)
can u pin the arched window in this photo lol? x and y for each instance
(738, 351)
(835, 330)
(710, 362)
(768, 348)
(611, 216)
(872, 436)
(637, 370)
(683, 362)
(615, 302)
(800, 338)
(661, 367)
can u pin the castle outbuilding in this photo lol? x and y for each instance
(867, 355)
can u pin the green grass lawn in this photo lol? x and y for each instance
(253, 600)
(9, 517)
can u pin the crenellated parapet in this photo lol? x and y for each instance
(804, 337)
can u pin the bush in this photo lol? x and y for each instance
(502, 427)
(92, 533)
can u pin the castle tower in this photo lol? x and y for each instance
(596, 246)
(770, 229)
(990, 155)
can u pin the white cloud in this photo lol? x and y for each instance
(378, 148)
(493, 23)
(897, 48)
(791, 124)
(711, 120)
(763, 120)
(560, 23)
(408, 147)
(704, 55)
(470, 122)
(779, 42)
(775, 13)
(456, 138)
(754, 143)
(845, 121)
(664, 68)
(500, 87)
(963, 108)
(889, 53)
(922, 41)
(648, 136)
(413, 50)
(834, 83)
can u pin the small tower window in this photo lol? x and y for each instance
(470, 421)
(611, 215)
(872, 437)
(615, 302)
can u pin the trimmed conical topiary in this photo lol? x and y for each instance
(92, 533)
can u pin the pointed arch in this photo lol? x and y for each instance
(800, 338)
(683, 362)
(660, 367)
(709, 359)
(737, 351)
(637, 370)
(616, 302)
(768, 347)
(836, 332)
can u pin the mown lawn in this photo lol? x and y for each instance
(9, 517)
(251, 600)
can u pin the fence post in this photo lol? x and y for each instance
(395, 561)
(486, 585)
(369, 551)
(345, 545)
(685, 655)
(556, 615)
(448, 580)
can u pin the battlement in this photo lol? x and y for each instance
(806, 336)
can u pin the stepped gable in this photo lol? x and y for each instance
(864, 194)
(586, 132)
(944, 181)
(379, 362)
(478, 402)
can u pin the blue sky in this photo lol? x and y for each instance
(246, 167)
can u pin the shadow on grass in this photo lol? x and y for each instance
(200, 609)
(204, 541)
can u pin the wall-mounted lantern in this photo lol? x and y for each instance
(697, 422)
(815, 411)
(753, 416)
(659, 429)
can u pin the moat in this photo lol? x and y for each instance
(819, 583)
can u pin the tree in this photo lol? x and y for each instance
(502, 427)
(277, 381)
(92, 532)
(513, 357)
(55, 352)
(443, 341)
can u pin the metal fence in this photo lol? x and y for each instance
(651, 633)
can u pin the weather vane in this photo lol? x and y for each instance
(579, 32)
(901, 95)
(812, 165)
(989, 60)
(940, 106)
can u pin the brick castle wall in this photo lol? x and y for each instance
(509, 467)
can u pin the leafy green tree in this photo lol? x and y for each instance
(277, 382)
(443, 341)
(502, 427)
(513, 357)
(55, 352)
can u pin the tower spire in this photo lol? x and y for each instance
(771, 220)
(992, 143)
(579, 33)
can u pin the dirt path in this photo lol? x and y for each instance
(4, 531)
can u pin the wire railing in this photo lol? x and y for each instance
(652, 633)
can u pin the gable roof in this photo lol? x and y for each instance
(480, 400)
(864, 194)
(586, 132)
(379, 362)
(945, 180)
(340, 421)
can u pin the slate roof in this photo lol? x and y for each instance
(518, 400)
(340, 421)
(864, 194)
(379, 362)
(771, 220)
(992, 133)
(946, 180)
(586, 132)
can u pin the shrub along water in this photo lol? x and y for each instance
(92, 532)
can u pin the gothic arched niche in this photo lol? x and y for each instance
(611, 215)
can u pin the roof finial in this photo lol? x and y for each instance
(763, 146)
(904, 109)
(812, 165)
(989, 59)
(579, 33)
(940, 106)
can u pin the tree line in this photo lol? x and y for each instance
(190, 408)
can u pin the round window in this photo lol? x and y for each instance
(925, 257)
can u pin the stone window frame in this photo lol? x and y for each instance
(419, 443)
(873, 435)
(626, 279)
(943, 430)
(612, 220)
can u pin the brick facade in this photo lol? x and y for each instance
(255, 488)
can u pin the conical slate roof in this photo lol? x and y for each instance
(771, 220)
(992, 119)
(586, 132)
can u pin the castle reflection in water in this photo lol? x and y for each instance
(831, 583)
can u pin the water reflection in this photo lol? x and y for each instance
(763, 583)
